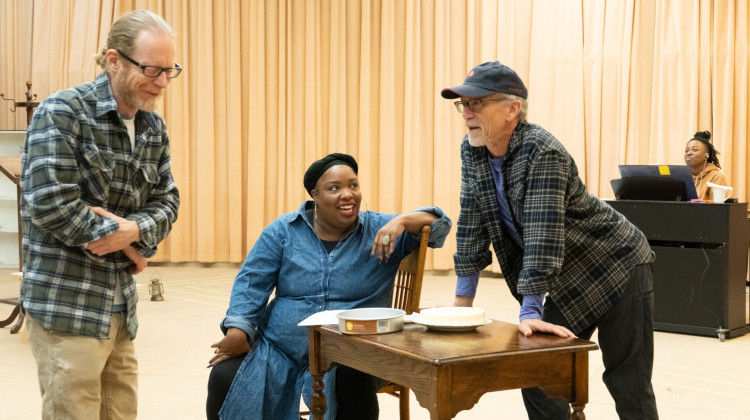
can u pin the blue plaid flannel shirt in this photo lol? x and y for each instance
(78, 154)
(576, 247)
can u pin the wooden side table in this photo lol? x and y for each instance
(450, 371)
(10, 166)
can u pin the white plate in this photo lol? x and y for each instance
(443, 327)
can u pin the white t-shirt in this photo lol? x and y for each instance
(130, 125)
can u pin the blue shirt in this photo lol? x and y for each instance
(510, 227)
(289, 260)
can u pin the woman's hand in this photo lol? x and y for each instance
(411, 222)
(385, 239)
(139, 261)
(232, 345)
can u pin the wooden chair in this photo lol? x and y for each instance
(407, 290)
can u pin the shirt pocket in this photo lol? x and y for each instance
(147, 179)
(150, 174)
(97, 167)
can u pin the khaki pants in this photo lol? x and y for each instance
(83, 377)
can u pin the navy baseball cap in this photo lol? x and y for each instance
(487, 78)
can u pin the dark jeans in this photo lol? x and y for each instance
(356, 392)
(626, 338)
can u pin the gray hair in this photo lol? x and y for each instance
(524, 105)
(125, 31)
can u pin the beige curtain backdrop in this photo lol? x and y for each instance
(271, 85)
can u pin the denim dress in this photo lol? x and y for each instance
(289, 260)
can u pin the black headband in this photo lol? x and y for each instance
(319, 167)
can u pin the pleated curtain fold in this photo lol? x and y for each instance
(271, 85)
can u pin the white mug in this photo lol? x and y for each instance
(720, 193)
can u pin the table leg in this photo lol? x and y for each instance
(580, 384)
(318, 398)
(577, 412)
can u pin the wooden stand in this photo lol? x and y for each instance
(30, 104)
(11, 167)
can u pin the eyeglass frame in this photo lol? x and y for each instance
(161, 69)
(460, 105)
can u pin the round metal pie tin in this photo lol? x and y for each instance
(371, 320)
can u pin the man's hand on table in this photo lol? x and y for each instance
(528, 327)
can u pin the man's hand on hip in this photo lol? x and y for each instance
(125, 235)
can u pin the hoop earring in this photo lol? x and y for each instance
(363, 200)
(315, 213)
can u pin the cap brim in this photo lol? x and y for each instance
(468, 91)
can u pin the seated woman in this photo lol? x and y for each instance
(703, 160)
(327, 255)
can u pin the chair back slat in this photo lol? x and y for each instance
(407, 287)
(402, 290)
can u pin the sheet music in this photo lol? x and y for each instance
(321, 318)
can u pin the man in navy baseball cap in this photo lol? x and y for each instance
(487, 78)
(575, 264)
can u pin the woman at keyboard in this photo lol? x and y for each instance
(703, 160)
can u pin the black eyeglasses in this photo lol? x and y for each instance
(155, 71)
(475, 105)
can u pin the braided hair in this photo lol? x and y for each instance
(705, 138)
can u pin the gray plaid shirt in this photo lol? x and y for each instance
(78, 154)
(576, 247)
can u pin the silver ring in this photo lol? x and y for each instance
(386, 240)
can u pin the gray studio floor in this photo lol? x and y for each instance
(694, 377)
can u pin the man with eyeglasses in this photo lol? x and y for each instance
(573, 263)
(98, 196)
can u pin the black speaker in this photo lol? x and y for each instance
(684, 293)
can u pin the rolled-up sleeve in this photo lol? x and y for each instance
(253, 285)
(440, 228)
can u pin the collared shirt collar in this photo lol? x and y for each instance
(301, 214)
(106, 101)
